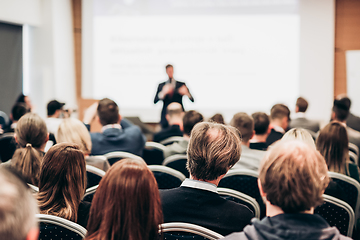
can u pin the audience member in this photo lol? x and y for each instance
(189, 120)
(301, 135)
(17, 209)
(62, 184)
(54, 115)
(332, 143)
(352, 121)
(4, 122)
(262, 131)
(340, 112)
(126, 204)
(174, 115)
(292, 179)
(25, 99)
(72, 130)
(300, 120)
(250, 158)
(17, 111)
(213, 149)
(218, 118)
(117, 134)
(279, 121)
(31, 135)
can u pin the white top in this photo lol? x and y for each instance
(199, 185)
(53, 124)
(118, 126)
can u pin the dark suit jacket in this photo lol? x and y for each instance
(204, 208)
(176, 97)
(273, 137)
(170, 131)
(128, 139)
(353, 122)
(305, 123)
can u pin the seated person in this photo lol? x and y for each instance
(300, 120)
(17, 208)
(117, 134)
(262, 131)
(293, 176)
(250, 158)
(18, 110)
(189, 120)
(62, 184)
(213, 149)
(174, 115)
(279, 122)
(54, 115)
(218, 118)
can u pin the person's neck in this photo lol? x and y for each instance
(259, 138)
(177, 122)
(215, 182)
(272, 210)
(246, 143)
(186, 137)
(341, 122)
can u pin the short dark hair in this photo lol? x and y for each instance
(213, 149)
(53, 106)
(169, 66)
(261, 122)
(218, 118)
(341, 108)
(19, 110)
(302, 104)
(244, 123)
(190, 119)
(108, 111)
(279, 111)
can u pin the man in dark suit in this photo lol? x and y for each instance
(170, 91)
(279, 122)
(117, 134)
(213, 149)
(301, 121)
(262, 131)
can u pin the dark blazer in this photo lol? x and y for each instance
(273, 137)
(171, 131)
(204, 208)
(305, 123)
(353, 122)
(128, 139)
(176, 97)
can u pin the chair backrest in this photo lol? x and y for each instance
(7, 146)
(171, 140)
(177, 162)
(93, 176)
(166, 177)
(353, 148)
(338, 214)
(53, 227)
(353, 158)
(113, 157)
(241, 198)
(351, 188)
(89, 193)
(153, 153)
(98, 161)
(34, 189)
(179, 230)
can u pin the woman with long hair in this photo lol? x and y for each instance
(333, 144)
(299, 134)
(31, 135)
(62, 183)
(126, 205)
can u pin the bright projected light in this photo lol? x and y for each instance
(230, 62)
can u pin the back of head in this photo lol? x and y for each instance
(126, 204)
(72, 130)
(279, 111)
(301, 135)
(218, 118)
(17, 207)
(62, 181)
(332, 143)
(190, 119)
(19, 110)
(31, 135)
(261, 123)
(293, 176)
(245, 124)
(302, 104)
(341, 109)
(174, 110)
(213, 149)
(53, 106)
(108, 112)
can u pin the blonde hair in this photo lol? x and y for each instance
(72, 130)
(301, 135)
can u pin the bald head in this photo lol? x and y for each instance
(174, 113)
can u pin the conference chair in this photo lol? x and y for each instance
(179, 230)
(166, 177)
(53, 227)
(34, 189)
(7, 146)
(177, 162)
(153, 153)
(241, 198)
(113, 157)
(89, 193)
(93, 176)
(171, 140)
(353, 148)
(98, 161)
(338, 214)
(354, 158)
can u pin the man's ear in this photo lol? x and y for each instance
(167, 117)
(47, 137)
(260, 188)
(332, 115)
(16, 140)
(33, 234)
(120, 118)
(296, 109)
(97, 119)
(253, 134)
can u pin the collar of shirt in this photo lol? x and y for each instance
(279, 129)
(199, 185)
(118, 126)
(299, 115)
